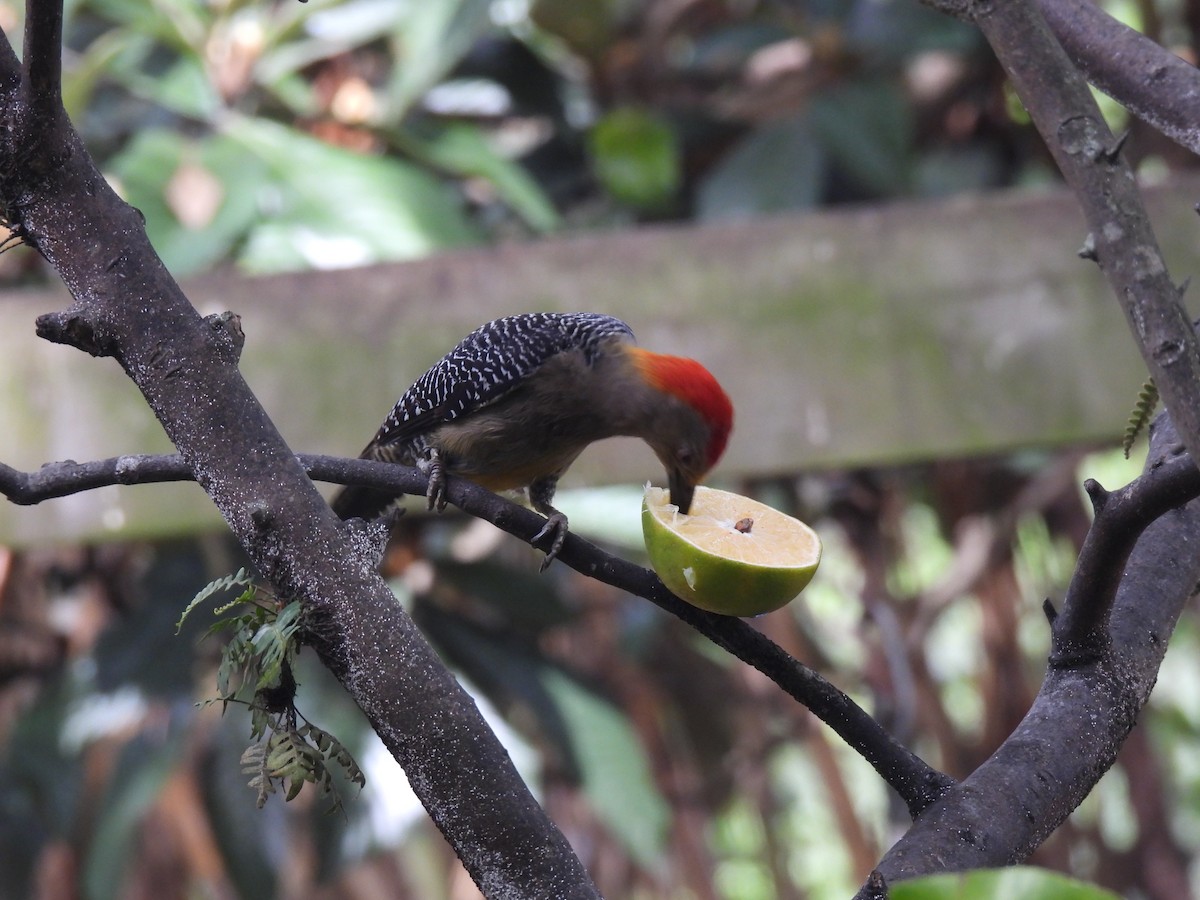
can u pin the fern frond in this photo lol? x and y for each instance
(237, 579)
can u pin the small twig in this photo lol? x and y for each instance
(1080, 630)
(16, 237)
(43, 54)
(10, 65)
(916, 782)
(62, 479)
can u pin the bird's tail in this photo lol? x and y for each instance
(357, 502)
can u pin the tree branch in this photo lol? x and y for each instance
(914, 780)
(1066, 114)
(62, 479)
(1121, 241)
(1107, 647)
(1150, 81)
(1071, 735)
(10, 68)
(43, 55)
(126, 305)
(1081, 631)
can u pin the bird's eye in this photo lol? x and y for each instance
(685, 455)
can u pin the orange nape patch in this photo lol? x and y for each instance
(694, 385)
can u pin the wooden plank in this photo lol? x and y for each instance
(847, 338)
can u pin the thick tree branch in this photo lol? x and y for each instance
(915, 781)
(1066, 114)
(126, 305)
(1150, 81)
(1071, 735)
(1122, 242)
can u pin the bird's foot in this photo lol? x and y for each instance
(556, 524)
(435, 493)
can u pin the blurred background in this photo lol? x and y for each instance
(370, 139)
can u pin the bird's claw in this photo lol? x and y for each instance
(556, 523)
(435, 493)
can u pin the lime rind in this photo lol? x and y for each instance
(731, 577)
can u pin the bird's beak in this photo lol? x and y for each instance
(682, 490)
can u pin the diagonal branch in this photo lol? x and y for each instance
(1110, 640)
(914, 780)
(127, 306)
(1156, 85)
(1122, 243)
(1150, 81)
(1121, 240)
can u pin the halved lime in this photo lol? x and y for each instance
(731, 554)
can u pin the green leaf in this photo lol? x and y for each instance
(273, 208)
(636, 157)
(463, 150)
(777, 167)
(260, 721)
(1027, 882)
(253, 758)
(286, 757)
(182, 26)
(616, 773)
(273, 644)
(300, 34)
(587, 28)
(134, 59)
(135, 785)
(245, 598)
(331, 208)
(234, 660)
(159, 161)
(431, 41)
(866, 129)
(95, 64)
(185, 89)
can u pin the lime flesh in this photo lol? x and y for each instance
(730, 555)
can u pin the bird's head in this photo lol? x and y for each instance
(690, 427)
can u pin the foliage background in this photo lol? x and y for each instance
(274, 136)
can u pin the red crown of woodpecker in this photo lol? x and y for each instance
(694, 385)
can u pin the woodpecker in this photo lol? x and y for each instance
(514, 404)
